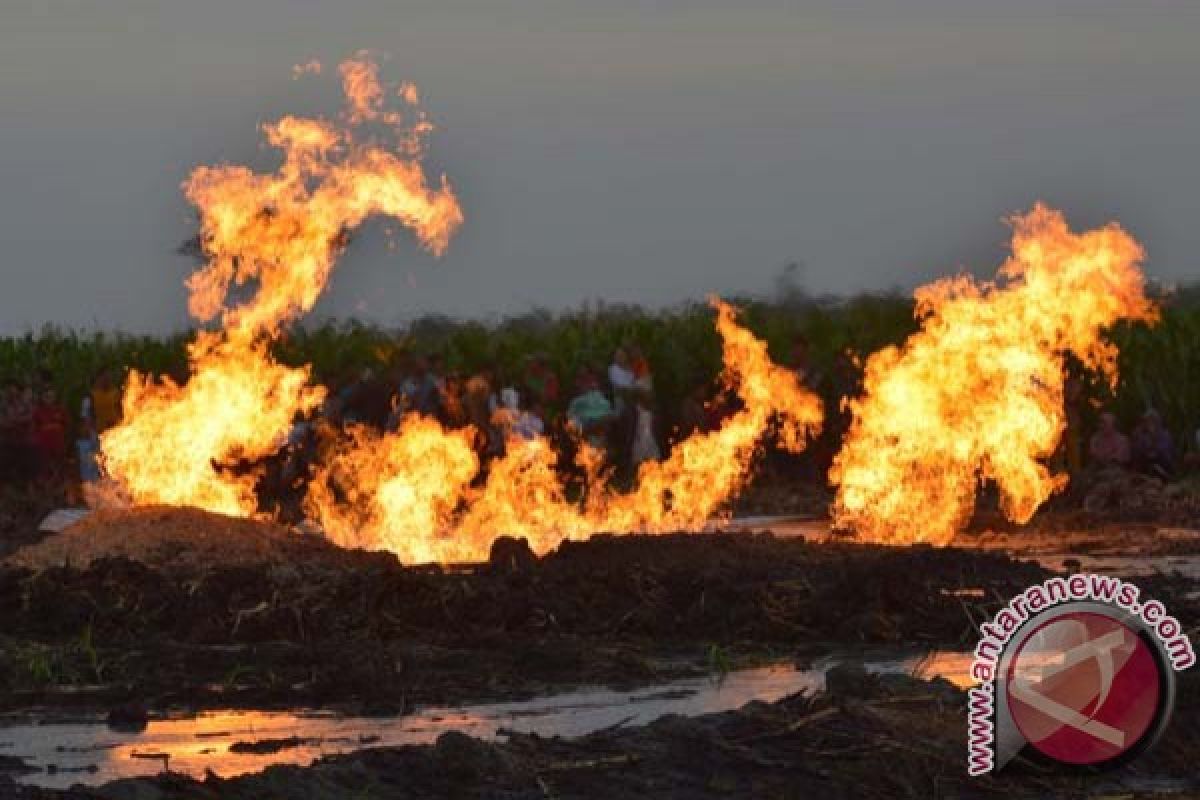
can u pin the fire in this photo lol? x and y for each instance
(413, 491)
(977, 394)
(281, 234)
(238, 404)
(524, 497)
(685, 490)
(395, 492)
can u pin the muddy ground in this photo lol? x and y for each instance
(294, 621)
(868, 736)
(360, 629)
(313, 625)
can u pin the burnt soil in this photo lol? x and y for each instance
(360, 630)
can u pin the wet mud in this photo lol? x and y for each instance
(360, 629)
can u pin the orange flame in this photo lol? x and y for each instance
(238, 404)
(377, 490)
(395, 492)
(409, 491)
(977, 393)
(705, 470)
(281, 233)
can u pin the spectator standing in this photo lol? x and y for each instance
(1108, 446)
(102, 404)
(431, 388)
(541, 381)
(620, 378)
(639, 368)
(645, 440)
(49, 434)
(421, 391)
(99, 411)
(480, 403)
(21, 426)
(532, 424)
(452, 402)
(15, 431)
(590, 411)
(1153, 450)
(514, 422)
(643, 444)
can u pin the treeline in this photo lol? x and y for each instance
(1160, 365)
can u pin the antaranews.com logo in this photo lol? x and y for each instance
(1076, 670)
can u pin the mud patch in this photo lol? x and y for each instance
(366, 630)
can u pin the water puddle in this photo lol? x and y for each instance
(1129, 555)
(229, 743)
(1121, 565)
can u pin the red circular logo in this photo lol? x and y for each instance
(1083, 688)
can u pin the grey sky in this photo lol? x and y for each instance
(630, 151)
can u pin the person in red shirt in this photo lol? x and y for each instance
(540, 381)
(49, 433)
(16, 439)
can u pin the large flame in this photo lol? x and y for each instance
(396, 492)
(238, 405)
(410, 491)
(977, 394)
(684, 491)
(280, 233)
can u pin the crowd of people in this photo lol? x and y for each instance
(44, 442)
(1149, 448)
(34, 432)
(615, 409)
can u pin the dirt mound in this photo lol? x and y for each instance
(20, 509)
(172, 539)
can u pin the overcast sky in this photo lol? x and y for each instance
(629, 151)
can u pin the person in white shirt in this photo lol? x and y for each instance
(513, 421)
(620, 377)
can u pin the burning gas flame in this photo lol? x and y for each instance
(238, 404)
(410, 491)
(280, 233)
(684, 491)
(977, 394)
(375, 490)
(397, 492)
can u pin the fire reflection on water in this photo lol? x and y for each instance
(88, 752)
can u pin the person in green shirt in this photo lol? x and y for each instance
(590, 411)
